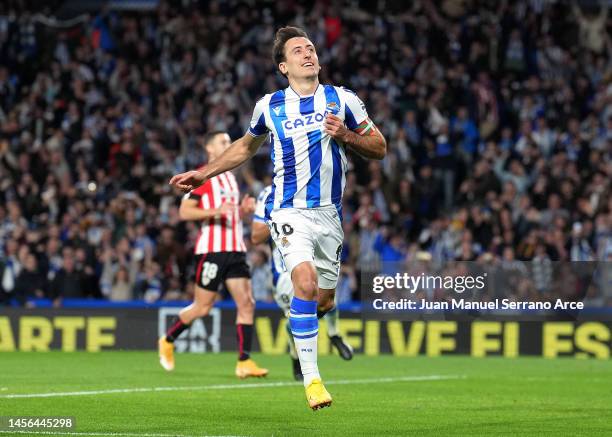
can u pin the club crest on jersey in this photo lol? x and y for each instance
(285, 242)
(332, 107)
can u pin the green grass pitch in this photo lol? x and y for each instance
(472, 396)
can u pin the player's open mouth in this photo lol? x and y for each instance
(308, 64)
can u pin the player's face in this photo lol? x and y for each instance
(301, 59)
(217, 146)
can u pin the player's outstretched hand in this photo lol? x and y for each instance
(188, 181)
(334, 127)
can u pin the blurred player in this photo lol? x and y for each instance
(283, 288)
(220, 255)
(310, 126)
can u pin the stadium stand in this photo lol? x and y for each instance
(499, 129)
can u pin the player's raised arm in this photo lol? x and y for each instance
(239, 152)
(358, 131)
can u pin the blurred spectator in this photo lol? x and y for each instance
(68, 283)
(149, 283)
(30, 283)
(261, 276)
(347, 284)
(9, 269)
(117, 279)
(580, 249)
(542, 268)
(592, 28)
(390, 246)
(171, 254)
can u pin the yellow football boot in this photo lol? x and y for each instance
(317, 396)
(249, 368)
(166, 353)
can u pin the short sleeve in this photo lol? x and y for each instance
(197, 193)
(260, 207)
(258, 126)
(354, 110)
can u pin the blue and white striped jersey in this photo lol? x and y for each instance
(276, 263)
(309, 165)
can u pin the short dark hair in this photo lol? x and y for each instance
(283, 35)
(210, 136)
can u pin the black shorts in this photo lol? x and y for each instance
(212, 269)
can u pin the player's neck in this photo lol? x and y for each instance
(304, 87)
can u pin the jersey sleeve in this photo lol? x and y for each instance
(197, 193)
(260, 207)
(355, 111)
(258, 126)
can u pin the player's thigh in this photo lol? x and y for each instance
(283, 292)
(210, 271)
(294, 235)
(328, 250)
(238, 279)
(204, 298)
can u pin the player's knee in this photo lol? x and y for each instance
(304, 282)
(203, 309)
(305, 286)
(246, 305)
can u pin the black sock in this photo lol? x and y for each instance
(320, 313)
(244, 333)
(175, 330)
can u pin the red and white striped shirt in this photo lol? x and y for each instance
(219, 234)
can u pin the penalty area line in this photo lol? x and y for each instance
(231, 386)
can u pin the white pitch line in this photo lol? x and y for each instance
(112, 434)
(230, 386)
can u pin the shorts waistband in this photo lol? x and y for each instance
(313, 208)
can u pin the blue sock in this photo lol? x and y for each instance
(305, 329)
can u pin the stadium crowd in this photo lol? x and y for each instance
(498, 117)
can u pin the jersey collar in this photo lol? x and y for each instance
(295, 93)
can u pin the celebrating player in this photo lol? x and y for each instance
(310, 125)
(283, 288)
(220, 255)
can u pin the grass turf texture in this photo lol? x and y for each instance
(496, 396)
